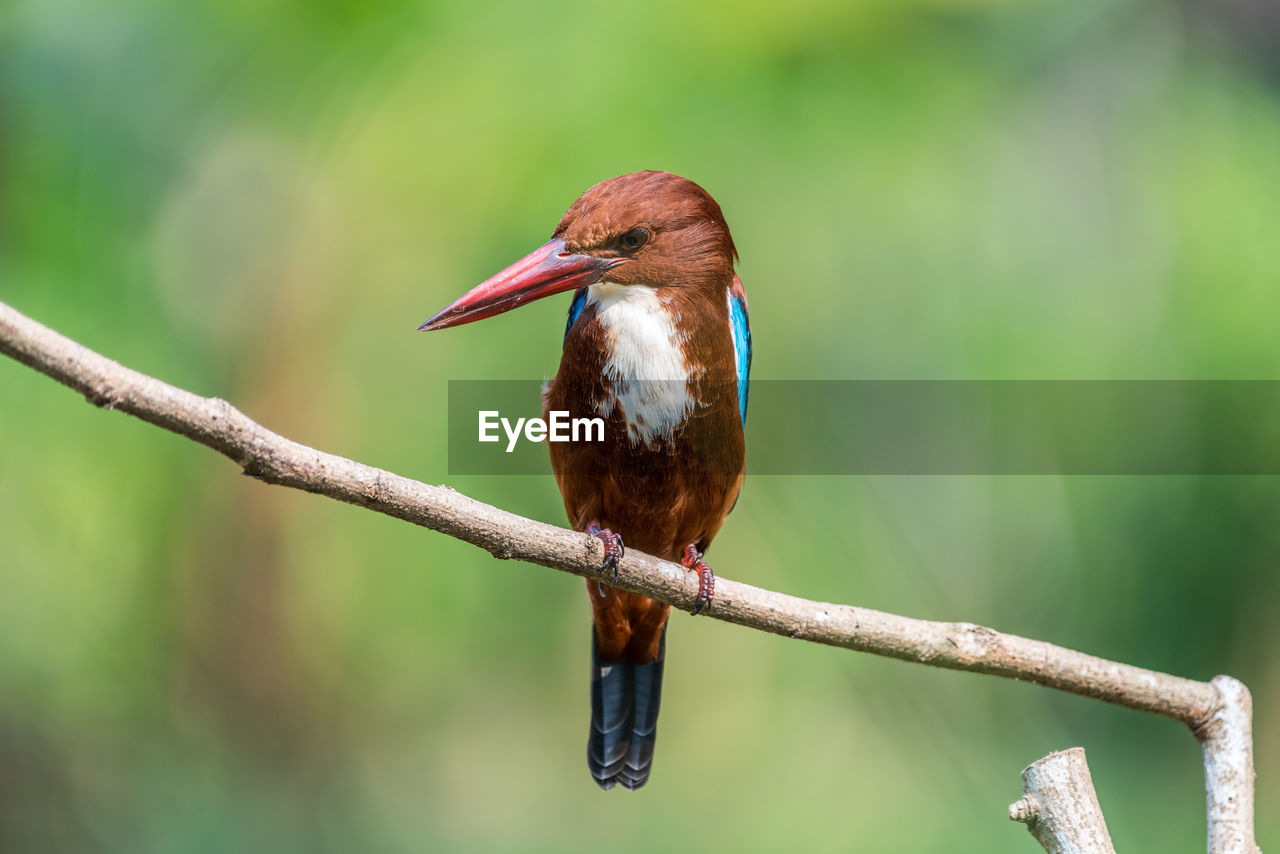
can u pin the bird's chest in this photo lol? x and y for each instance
(641, 365)
(673, 445)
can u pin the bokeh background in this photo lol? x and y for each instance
(260, 201)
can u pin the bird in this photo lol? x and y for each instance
(657, 343)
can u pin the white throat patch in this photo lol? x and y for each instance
(646, 360)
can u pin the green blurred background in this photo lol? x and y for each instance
(260, 200)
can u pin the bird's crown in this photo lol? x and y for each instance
(666, 230)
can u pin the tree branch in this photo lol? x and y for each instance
(1213, 711)
(1227, 740)
(1060, 807)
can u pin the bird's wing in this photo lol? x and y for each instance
(740, 326)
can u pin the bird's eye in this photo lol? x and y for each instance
(634, 239)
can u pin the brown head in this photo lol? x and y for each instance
(646, 228)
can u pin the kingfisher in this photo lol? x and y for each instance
(658, 344)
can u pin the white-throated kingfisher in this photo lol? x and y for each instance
(658, 344)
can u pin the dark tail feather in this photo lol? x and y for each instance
(625, 697)
(611, 715)
(644, 724)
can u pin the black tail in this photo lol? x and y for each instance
(624, 717)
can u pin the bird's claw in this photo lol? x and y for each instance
(692, 561)
(614, 550)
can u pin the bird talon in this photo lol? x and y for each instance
(692, 561)
(614, 550)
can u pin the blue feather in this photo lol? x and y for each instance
(575, 309)
(741, 330)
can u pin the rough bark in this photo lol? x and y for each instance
(1060, 807)
(1227, 740)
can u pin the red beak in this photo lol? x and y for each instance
(545, 271)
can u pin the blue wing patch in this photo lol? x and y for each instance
(741, 329)
(575, 309)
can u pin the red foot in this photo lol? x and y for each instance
(613, 548)
(692, 560)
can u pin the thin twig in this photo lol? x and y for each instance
(958, 646)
